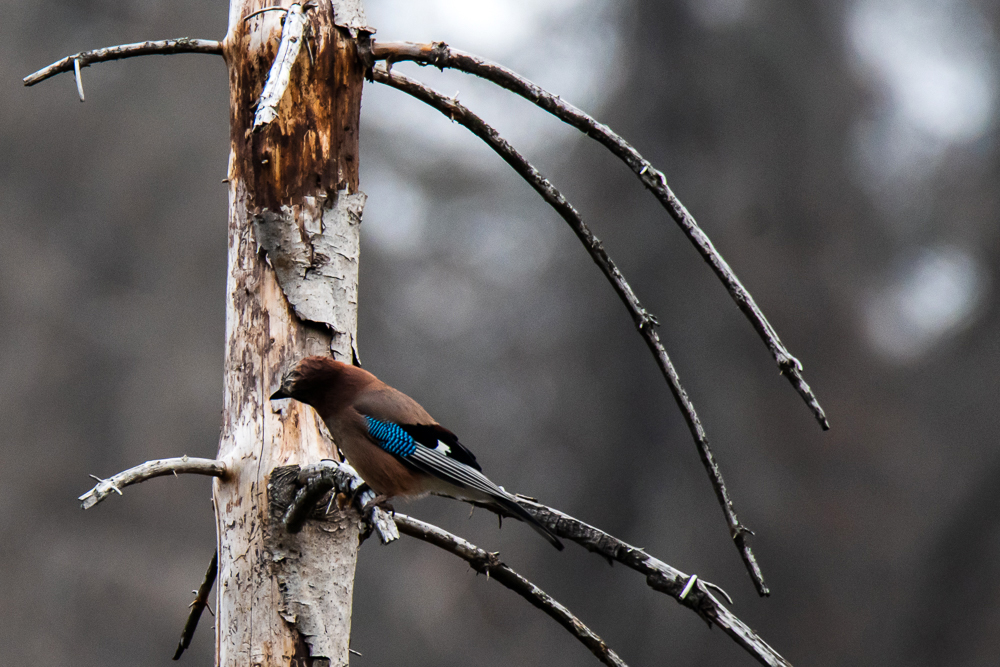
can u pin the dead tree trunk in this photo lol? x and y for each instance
(294, 215)
(285, 584)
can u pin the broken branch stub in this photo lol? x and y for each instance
(300, 562)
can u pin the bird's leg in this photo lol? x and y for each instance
(381, 501)
(358, 491)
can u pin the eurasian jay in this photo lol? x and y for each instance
(396, 447)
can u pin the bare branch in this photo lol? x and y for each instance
(149, 470)
(489, 564)
(199, 605)
(318, 479)
(163, 48)
(686, 589)
(441, 55)
(644, 321)
(689, 590)
(281, 69)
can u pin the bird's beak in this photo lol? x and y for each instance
(279, 394)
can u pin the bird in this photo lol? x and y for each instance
(396, 447)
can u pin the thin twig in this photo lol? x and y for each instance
(281, 69)
(489, 564)
(199, 605)
(318, 479)
(659, 576)
(264, 11)
(441, 55)
(79, 78)
(163, 48)
(148, 470)
(644, 321)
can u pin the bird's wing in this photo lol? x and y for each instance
(440, 459)
(437, 437)
(391, 406)
(438, 462)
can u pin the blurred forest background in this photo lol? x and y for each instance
(843, 155)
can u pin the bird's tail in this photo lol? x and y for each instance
(510, 506)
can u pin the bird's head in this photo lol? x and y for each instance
(314, 379)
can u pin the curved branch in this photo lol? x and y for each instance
(441, 55)
(162, 47)
(691, 592)
(644, 321)
(149, 470)
(489, 564)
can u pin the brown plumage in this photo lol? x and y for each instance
(392, 442)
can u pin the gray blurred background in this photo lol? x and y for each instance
(842, 155)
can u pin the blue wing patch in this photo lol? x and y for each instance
(391, 437)
(448, 460)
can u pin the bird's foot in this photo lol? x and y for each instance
(380, 501)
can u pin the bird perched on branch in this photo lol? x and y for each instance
(396, 447)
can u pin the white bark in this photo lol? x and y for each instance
(317, 263)
(280, 74)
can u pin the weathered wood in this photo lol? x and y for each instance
(149, 470)
(294, 206)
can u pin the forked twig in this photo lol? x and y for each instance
(85, 58)
(644, 321)
(441, 55)
(148, 470)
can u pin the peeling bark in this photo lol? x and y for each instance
(315, 258)
(294, 219)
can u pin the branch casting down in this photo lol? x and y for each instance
(441, 55)
(688, 590)
(490, 564)
(644, 321)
